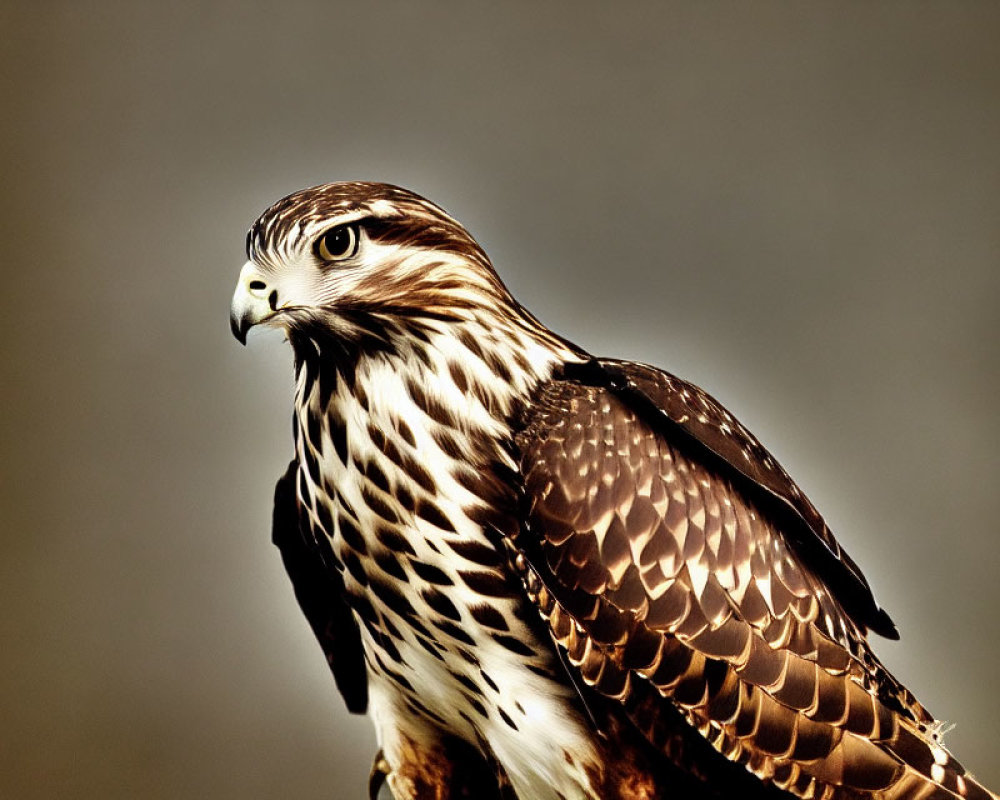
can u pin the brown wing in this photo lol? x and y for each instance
(698, 415)
(319, 591)
(656, 568)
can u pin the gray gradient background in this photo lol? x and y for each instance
(794, 205)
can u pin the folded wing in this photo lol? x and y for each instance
(673, 558)
(320, 593)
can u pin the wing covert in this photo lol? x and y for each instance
(656, 569)
(696, 414)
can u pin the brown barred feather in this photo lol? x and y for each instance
(654, 569)
(701, 417)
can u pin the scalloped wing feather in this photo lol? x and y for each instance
(656, 570)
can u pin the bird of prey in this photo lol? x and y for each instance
(549, 575)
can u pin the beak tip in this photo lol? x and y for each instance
(239, 327)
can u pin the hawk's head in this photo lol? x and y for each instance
(326, 256)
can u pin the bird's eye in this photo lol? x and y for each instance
(338, 243)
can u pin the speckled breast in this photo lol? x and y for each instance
(388, 478)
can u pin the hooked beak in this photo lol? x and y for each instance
(253, 302)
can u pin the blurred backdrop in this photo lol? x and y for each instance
(793, 205)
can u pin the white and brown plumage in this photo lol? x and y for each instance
(547, 575)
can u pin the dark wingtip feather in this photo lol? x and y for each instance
(882, 624)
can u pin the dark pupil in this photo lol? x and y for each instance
(337, 241)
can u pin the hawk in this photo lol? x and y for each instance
(549, 575)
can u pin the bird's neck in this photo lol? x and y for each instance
(480, 369)
(437, 408)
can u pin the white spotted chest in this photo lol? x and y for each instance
(384, 475)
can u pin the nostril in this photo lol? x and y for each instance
(257, 285)
(272, 300)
